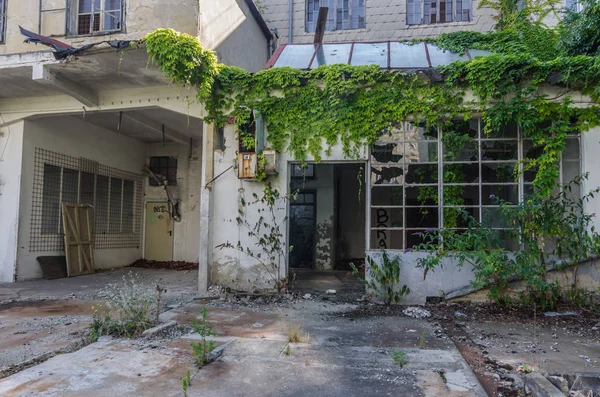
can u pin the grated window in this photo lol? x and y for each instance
(113, 195)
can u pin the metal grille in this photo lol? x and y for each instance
(114, 195)
(2, 20)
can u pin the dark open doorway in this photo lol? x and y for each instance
(327, 216)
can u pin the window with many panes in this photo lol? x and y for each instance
(426, 179)
(438, 11)
(342, 14)
(2, 20)
(98, 16)
(164, 166)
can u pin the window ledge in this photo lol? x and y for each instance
(104, 33)
(440, 25)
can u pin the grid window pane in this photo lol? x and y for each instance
(387, 239)
(342, 14)
(387, 218)
(51, 199)
(164, 167)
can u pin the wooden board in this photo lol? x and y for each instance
(78, 239)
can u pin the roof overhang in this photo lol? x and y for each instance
(82, 76)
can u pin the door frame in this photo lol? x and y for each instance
(144, 228)
(314, 250)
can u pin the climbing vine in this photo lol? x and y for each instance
(308, 112)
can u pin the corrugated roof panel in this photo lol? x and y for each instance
(407, 56)
(440, 57)
(330, 54)
(296, 56)
(370, 54)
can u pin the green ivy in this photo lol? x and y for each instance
(308, 112)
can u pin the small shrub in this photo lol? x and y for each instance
(130, 309)
(384, 280)
(201, 350)
(287, 351)
(399, 357)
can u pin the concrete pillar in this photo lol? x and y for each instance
(205, 254)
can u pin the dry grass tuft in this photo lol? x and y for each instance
(295, 334)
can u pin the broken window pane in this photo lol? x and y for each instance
(508, 131)
(499, 150)
(387, 239)
(387, 195)
(460, 217)
(421, 152)
(461, 173)
(422, 217)
(384, 153)
(421, 195)
(387, 217)
(498, 172)
(492, 193)
(381, 175)
(422, 173)
(461, 195)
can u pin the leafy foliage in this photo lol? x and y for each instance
(383, 280)
(201, 350)
(578, 31)
(549, 233)
(399, 357)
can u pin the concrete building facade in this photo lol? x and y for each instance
(95, 127)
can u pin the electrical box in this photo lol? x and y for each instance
(271, 162)
(247, 165)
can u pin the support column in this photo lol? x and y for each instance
(205, 254)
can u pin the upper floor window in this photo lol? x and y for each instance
(95, 16)
(342, 15)
(437, 11)
(2, 19)
(572, 4)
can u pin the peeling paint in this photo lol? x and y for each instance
(324, 257)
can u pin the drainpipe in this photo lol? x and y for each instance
(291, 23)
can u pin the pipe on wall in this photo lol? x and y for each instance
(291, 23)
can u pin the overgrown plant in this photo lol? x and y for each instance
(399, 357)
(383, 280)
(186, 381)
(202, 350)
(131, 308)
(266, 230)
(546, 233)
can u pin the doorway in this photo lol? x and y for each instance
(327, 215)
(159, 233)
(303, 223)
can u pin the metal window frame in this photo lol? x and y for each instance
(3, 19)
(520, 183)
(333, 11)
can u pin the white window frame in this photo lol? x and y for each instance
(522, 185)
(332, 15)
(437, 2)
(102, 13)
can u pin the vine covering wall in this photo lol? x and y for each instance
(310, 111)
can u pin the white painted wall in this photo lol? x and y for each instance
(229, 267)
(590, 162)
(228, 27)
(186, 233)
(73, 137)
(11, 150)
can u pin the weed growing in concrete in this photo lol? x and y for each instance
(129, 311)
(423, 340)
(295, 334)
(186, 381)
(287, 350)
(201, 350)
(399, 357)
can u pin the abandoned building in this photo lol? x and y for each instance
(85, 125)
(90, 126)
